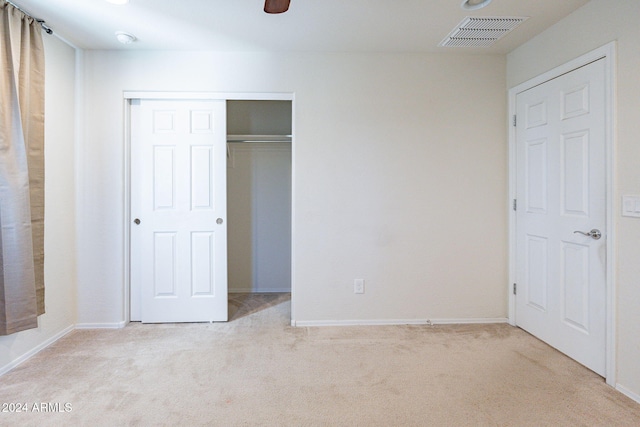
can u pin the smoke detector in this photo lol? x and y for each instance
(481, 31)
(125, 38)
(475, 4)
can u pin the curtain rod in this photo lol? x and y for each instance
(42, 22)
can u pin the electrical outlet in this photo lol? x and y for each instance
(358, 286)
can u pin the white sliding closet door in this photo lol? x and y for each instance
(178, 205)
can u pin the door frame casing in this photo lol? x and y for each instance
(607, 53)
(128, 97)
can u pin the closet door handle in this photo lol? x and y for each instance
(595, 234)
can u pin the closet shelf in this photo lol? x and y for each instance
(258, 138)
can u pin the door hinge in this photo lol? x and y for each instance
(515, 204)
(514, 289)
(515, 120)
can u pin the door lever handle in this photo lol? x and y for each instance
(595, 234)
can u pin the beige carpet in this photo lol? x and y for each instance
(256, 370)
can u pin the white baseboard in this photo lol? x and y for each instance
(117, 325)
(472, 321)
(388, 322)
(35, 350)
(628, 393)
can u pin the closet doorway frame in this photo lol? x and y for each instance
(128, 97)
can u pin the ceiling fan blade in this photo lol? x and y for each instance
(276, 6)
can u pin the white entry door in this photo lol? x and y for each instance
(561, 196)
(178, 209)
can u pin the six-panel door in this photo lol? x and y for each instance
(178, 180)
(561, 295)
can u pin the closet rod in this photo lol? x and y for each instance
(42, 22)
(258, 138)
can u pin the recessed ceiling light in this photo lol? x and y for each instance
(118, 1)
(475, 4)
(125, 38)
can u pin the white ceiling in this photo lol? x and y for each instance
(309, 25)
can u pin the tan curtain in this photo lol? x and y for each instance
(21, 171)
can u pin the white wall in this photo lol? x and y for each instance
(259, 117)
(400, 177)
(259, 216)
(593, 25)
(60, 261)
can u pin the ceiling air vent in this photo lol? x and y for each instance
(481, 31)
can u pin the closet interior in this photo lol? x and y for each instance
(259, 196)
